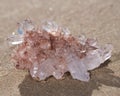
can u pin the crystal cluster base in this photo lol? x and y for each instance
(52, 51)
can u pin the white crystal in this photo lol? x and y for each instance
(65, 32)
(107, 50)
(92, 42)
(26, 25)
(15, 39)
(77, 68)
(93, 59)
(50, 26)
(82, 39)
(34, 70)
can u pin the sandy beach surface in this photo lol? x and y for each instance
(94, 18)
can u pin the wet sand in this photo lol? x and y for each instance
(94, 18)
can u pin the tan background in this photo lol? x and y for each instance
(94, 18)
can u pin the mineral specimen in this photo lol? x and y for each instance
(52, 51)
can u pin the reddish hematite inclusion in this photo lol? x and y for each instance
(52, 51)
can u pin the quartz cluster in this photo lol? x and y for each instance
(51, 50)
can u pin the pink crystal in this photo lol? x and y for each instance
(53, 51)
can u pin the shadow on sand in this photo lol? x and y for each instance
(68, 86)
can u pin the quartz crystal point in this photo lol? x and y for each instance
(17, 37)
(26, 25)
(53, 51)
(49, 26)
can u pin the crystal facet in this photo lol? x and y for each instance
(50, 26)
(15, 39)
(26, 25)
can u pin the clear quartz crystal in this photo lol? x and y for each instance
(53, 54)
(50, 26)
(93, 59)
(82, 39)
(34, 69)
(92, 42)
(15, 39)
(77, 68)
(65, 32)
(107, 50)
(26, 25)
